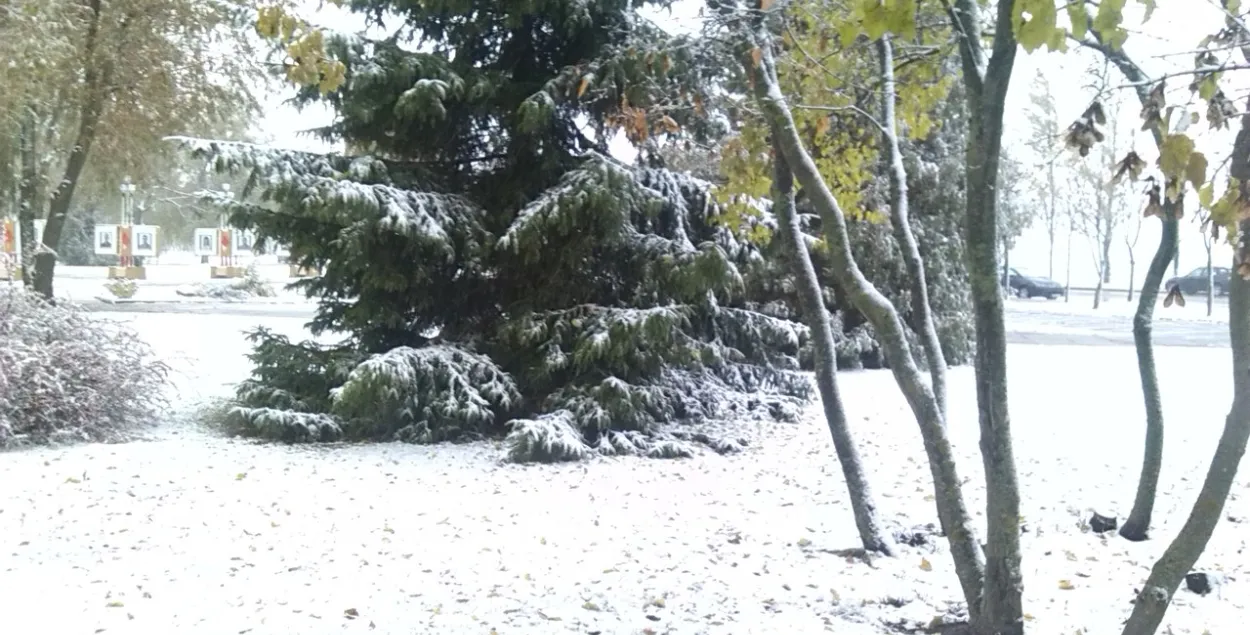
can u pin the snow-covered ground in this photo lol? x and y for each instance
(191, 534)
(1117, 305)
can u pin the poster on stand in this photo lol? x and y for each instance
(244, 241)
(106, 240)
(206, 241)
(144, 240)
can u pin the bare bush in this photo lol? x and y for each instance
(66, 377)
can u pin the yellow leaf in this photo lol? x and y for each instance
(1196, 169)
(1174, 154)
(1079, 18)
(583, 85)
(1066, 585)
(670, 125)
(925, 565)
(756, 55)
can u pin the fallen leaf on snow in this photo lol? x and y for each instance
(925, 565)
(1066, 585)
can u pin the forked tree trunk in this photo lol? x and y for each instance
(987, 79)
(863, 503)
(948, 494)
(925, 326)
(1179, 558)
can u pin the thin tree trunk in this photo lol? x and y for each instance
(900, 220)
(1098, 287)
(28, 193)
(1106, 246)
(1067, 280)
(863, 504)
(1137, 526)
(94, 80)
(1050, 222)
(1179, 558)
(987, 81)
(1132, 276)
(948, 495)
(1210, 281)
(1006, 269)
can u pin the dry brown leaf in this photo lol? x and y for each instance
(757, 54)
(925, 565)
(583, 85)
(1066, 585)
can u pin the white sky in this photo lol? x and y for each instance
(1158, 45)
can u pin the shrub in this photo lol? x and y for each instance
(122, 287)
(65, 376)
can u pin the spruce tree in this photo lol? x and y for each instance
(488, 262)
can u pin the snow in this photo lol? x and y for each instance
(190, 533)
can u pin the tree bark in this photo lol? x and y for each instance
(948, 494)
(1106, 244)
(899, 219)
(95, 78)
(1050, 221)
(1137, 526)
(1179, 558)
(863, 503)
(987, 81)
(1210, 279)
(28, 193)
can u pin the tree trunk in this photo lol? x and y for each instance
(899, 219)
(1067, 280)
(94, 80)
(1137, 526)
(987, 81)
(948, 495)
(1210, 279)
(863, 504)
(1106, 247)
(1098, 287)
(28, 193)
(1006, 269)
(1179, 558)
(1050, 222)
(1132, 275)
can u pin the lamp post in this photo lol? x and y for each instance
(128, 190)
(227, 237)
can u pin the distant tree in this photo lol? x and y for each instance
(1046, 142)
(1017, 207)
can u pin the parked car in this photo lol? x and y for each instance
(1033, 286)
(1195, 282)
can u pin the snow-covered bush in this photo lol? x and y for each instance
(122, 287)
(424, 395)
(253, 285)
(65, 376)
(549, 438)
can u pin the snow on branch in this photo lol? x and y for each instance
(425, 394)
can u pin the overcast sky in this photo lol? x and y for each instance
(1159, 45)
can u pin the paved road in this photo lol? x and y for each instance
(1026, 324)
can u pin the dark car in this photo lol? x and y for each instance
(1195, 282)
(1033, 286)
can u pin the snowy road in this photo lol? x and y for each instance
(1028, 322)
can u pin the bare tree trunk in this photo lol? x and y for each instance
(1006, 268)
(1067, 280)
(899, 219)
(1132, 276)
(28, 193)
(1179, 558)
(863, 504)
(1210, 278)
(1098, 287)
(948, 494)
(1050, 221)
(986, 82)
(1137, 526)
(94, 80)
(1106, 247)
